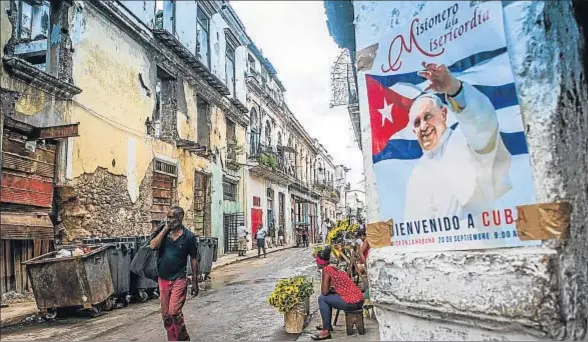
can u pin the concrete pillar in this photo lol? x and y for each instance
(526, 293)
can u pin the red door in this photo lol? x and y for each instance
(256, 219)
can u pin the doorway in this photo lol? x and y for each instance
(230, 223)
(202, 204)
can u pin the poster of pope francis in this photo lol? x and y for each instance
(448, 147)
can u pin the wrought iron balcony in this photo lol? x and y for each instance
(272, 159)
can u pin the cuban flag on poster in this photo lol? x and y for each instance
(450, 170)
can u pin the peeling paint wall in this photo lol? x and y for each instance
(114, 151)
(537, 293)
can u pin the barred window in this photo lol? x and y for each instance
(229, 191)
(165, 168)
(256, 201)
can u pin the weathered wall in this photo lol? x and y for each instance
(114, 151)
(508, 294)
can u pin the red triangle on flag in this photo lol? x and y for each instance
(388, 113)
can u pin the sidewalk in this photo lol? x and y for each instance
(226, 260)
(27, 311)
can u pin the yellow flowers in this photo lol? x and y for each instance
(340, 230)
(290, 292)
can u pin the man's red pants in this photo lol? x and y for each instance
(172, 294)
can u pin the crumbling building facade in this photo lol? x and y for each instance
(114, 111)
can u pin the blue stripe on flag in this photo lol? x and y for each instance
(459, 66)
(405, 149)
(500, 96)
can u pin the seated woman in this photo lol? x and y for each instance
(337, 291)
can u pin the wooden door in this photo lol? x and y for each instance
(256, 221)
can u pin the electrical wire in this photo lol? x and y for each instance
(112, 122)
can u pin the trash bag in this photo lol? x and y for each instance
(145, 263)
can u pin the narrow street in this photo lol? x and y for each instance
(234, 308)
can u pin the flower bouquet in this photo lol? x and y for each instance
(290, 297)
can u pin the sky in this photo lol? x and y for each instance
(293, 35)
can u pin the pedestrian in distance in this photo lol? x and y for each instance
(271, 234)
(242, 236)
(174, 243)
(260, 237)
(324, 231)
(305, 236)
(281, 236)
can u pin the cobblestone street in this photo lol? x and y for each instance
(234, 308)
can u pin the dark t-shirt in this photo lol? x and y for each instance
(172, 256)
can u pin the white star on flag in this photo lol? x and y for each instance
(386, 112)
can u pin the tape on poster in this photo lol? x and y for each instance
(365, 58)
(544, 221)
(379, 234)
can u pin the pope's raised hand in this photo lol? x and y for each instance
(442, 81)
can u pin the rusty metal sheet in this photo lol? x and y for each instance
(25, 164)
(25, 226)
(56, 132)
(45, 153)
(30, 183)
(25, 190)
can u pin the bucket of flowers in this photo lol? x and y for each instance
(291, 297)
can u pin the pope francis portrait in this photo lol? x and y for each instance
(464, 169)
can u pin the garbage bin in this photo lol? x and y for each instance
(62, 282)
(207, 253)
(119, 261)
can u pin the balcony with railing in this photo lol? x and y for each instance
(234, 150)
(328, 191)
(272, 163)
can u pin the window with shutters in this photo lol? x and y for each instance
(164, 185)
(203, 36)
(229, 191)
(32, 30)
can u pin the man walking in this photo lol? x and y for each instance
(174, 244)
(260, 237)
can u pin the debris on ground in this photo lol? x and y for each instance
(12, 297)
